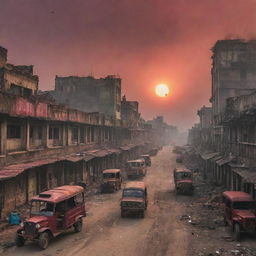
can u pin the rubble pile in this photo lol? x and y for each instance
(204, 215)
(233, 252)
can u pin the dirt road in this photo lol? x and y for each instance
(106, 233)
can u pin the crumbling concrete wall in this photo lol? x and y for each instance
(233, 71)
(89, 94)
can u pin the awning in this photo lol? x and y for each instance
(216, 158)
(235, 165)
(74, 158)
(98, 153)
(127, 147)
(207, 156)
(88, 158)
(114, 151)
(246, 175)
(224, 160)
(12, 171)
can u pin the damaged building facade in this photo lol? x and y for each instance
(44, 144)
(228, 156)
(89, 94)
(165, 133)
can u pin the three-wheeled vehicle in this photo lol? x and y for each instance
(135, 168)
(146, 159)
(239, 212)
(183, 179)
(134, 199)
(111, 181)
(52, 212)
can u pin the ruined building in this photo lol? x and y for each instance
(44, 144)
(89, 94)
(233, 72)
(130, 115)
(17, 80)
(229, 155)
(205, 127)
(166, 133)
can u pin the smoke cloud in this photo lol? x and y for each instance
(146, 42)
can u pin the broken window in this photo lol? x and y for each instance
(56, 133)
(27, 92)
(13, 132)
(15, 89)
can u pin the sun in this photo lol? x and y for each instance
(162, 90)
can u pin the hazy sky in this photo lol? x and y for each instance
(146, 42)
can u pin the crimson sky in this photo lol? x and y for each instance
(144, 41)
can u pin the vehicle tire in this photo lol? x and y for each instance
(19, 240)
(43, 240)
(78, 226)
(237, 232)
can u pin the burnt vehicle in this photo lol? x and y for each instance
(179, 158)
(51, 213)
(134, 199)
(146, 159)
(135, 168)
(239, 212)
(183, 179)
(111, 181)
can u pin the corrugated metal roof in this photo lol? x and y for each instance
(236, 165)
(127, 147)
(74, 158)
(88, 158)
(98, 153)
(224, 160)
(114, 150)
(207, 156)
(216, 158)
(12, 171)
(247, 175)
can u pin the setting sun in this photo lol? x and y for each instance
(162, 90)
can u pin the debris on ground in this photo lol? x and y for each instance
(205, 209)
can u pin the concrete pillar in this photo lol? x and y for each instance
(64, 135)
(78, 135)
(3, 136)
(27, 134)
(69, 135)
(46, 135)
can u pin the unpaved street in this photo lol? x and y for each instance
(106, 233)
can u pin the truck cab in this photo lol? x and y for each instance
(52, 212)
(239, 212)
